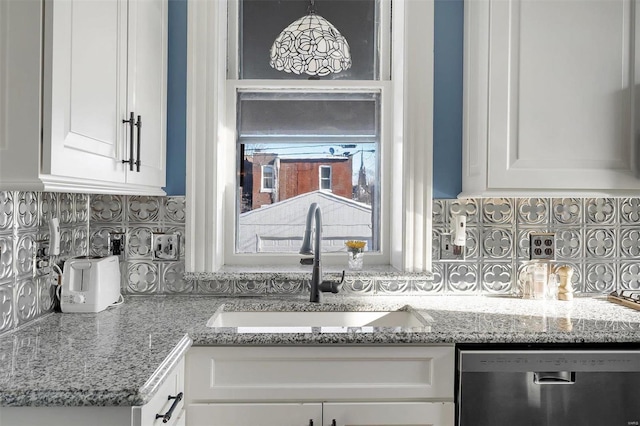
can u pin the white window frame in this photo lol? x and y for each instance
(320, 168)
(263, 188)
(210, 191)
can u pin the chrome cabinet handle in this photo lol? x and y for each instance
(131, 122)
(139, 126)
(167, 416)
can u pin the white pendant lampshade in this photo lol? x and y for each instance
(310, 45)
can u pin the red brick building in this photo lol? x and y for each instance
(273, 178)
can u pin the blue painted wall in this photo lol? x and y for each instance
(447, 130)
(177, 99)
(447, 114)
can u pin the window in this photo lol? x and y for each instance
(220, 98)
(268, 179)
(325, 178)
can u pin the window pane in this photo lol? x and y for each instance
(261, 21)
(296, 115)
(334, 166)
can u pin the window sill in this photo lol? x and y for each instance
(301, 273)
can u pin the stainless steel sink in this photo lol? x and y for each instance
(303, 319)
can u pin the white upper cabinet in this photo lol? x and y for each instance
(76, 79)
(550, 97)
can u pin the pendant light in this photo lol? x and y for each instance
(310, 45)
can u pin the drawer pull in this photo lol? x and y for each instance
(167, 416)
(333, 422)
(310, 422)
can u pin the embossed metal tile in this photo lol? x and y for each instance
(48, 207)
(462, 277)
(173, 209)
(497, 278)
(215, 287)
(438, 210)
(497, 243)
(66, 209)
(569, 243)
(630, 242)
(359, 286)
(468, 207)
(98, 240)
(26, 300)
(45, 295)
(601, 242)
(287, 287)
(6, 210)
(533, 211)
(630, 275)
(497, 211)
(27, 210)
(172, 278)
(251, 287)
(600, 277)
(139, 242)
(567, 211)
(24, 254)
(392, 286)
(6, 256)
(6, 306)
(107, 208)
(630, 210)
(600, 211)
(143, 209)
(142, 278)
(81, 208)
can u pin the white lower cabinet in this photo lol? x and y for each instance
(328, 385)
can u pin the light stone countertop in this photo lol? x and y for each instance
(120, 356)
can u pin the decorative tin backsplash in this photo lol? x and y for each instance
(139, 217)
(598, 237)
(24, 296)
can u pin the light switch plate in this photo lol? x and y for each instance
(165, 246)
(448, 250)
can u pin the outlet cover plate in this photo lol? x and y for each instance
(448, 250)
(165, 246)
(542, 246)
(116, 244)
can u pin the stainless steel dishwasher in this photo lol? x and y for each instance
(548, 387)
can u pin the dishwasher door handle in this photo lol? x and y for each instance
(554, 377)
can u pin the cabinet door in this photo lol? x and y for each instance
(241, 414)
(389, 414)
(147, 82)
(84, 88)
(550, 90)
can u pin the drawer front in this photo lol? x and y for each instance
(161, 404)
(320, 373)
(269, 414)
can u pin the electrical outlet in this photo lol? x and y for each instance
(41, 258)
(448, 251)
(116, 244)
(542, 246)
(165, 246)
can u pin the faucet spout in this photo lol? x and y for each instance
(314, 214)
(318, 286)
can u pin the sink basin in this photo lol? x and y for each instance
(302, 320)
